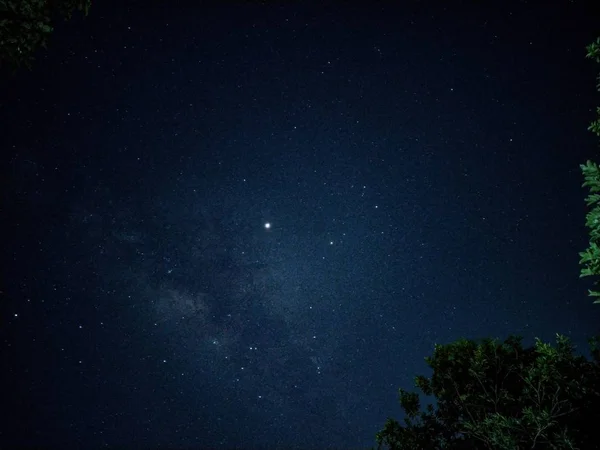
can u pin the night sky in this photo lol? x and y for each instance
(247, 225)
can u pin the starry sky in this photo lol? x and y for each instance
(245, 225)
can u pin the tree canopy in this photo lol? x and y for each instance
(26, 24)
(500, 395)
(590, 258)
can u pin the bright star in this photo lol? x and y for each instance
(267, 225)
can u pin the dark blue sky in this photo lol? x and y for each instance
(418, 167)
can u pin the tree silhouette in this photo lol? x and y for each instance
(492, 395)
(590, 258)
(26, 24)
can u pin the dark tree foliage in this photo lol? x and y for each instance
(499, 395)
(590, 258)
(26, 24)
